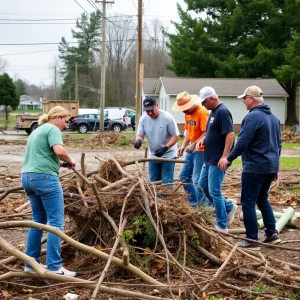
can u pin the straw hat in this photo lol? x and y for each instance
(184, 101)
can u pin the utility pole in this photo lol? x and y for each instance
(103, 64)
(76, 83)
(55, 87)
(139, 67)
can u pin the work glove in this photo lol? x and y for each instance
(161, 151)
(138, 144)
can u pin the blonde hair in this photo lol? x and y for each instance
(56, 111)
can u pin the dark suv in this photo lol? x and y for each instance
(90, 122)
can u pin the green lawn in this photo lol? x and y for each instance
(290, 145)
(35, 111)
(286, 163)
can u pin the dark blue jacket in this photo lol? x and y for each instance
(259, 142)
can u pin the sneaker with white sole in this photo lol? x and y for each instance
(64, 271)
(30, 270)
(225, 230)
(274, 239)
(245, 245)
(230, 215)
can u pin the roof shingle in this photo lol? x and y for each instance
(223, 86)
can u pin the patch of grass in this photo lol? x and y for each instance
(124, 140)
(260, 288)
(286, 163)
(295, 191)
(290, 145)
(293, 295)
(33, 111)
(289, 163)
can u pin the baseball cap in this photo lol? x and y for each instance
(253, 91)
(206, 92)
(149, 103)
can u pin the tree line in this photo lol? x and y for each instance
(239, 39)
(213, 39)
(121, 59)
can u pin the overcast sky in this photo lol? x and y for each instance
(35, 67)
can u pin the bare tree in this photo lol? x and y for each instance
(3, 64)
(155, 53)
(120, 83)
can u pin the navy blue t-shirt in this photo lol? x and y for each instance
(218, 125)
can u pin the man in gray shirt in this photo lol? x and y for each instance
(161, 131)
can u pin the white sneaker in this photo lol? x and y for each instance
(221, 229)
(64, 271)
(30, 270)
(230, 215)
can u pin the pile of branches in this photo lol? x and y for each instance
(124, 227)
(103, 140)
(290, 136)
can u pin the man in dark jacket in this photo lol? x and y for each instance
(259, 143)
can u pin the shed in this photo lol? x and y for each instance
(165, 90)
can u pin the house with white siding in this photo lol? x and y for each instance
(30, 103)
(165, 90)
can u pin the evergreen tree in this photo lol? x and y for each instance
(85, 55)
(8, 93)
(240, 38)
(20, 87)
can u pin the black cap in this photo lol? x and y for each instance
(149, 103)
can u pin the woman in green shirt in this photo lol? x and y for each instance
(44, 155)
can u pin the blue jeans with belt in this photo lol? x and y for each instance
(210, 181)
(47, 204)
(190, 174)
(255, 190)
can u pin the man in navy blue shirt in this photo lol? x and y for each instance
(259, 143)
(218, 140)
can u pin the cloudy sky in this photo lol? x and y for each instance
(17, 27)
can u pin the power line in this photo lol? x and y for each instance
(10, 54)
(32, 14)
(94, 6)
(36, 23)
(37, 20)
(81, 7)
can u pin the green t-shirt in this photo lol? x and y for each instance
(39, 156)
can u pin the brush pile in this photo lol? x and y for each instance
(122, 227)
(290, 136)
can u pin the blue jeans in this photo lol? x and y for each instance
(210, 181)
(47, 204)
(163, 171)
(255, 189)
(190, 174)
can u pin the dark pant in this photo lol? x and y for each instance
(255, 189)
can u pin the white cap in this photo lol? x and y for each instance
(206, 92)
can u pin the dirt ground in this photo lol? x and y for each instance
(12, 154)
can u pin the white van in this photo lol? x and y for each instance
(119, 113)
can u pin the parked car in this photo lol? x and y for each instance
(119, 113)
(91, 122)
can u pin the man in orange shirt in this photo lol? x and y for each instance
(196, 117)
